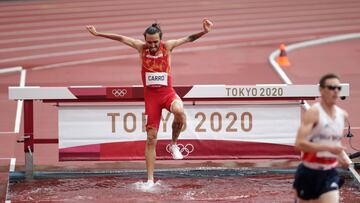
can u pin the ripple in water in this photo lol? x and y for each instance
(263, 188)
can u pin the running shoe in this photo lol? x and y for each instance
(175, 152)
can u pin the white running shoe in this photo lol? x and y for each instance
(175, 152)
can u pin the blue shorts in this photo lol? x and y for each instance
(311, 183)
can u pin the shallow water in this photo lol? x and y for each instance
(250, 188)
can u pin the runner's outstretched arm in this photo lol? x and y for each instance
(171, 44)
(134, 43)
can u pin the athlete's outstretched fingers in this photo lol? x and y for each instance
(207, 24)
(91, 29)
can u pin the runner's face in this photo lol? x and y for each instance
(153, 42)
(330, 92)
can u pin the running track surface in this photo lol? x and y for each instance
(48, 39)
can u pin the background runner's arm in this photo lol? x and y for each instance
(171, 44)
(311, 117)
(134, 43)
(343, 158)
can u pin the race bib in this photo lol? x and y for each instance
(156, 78)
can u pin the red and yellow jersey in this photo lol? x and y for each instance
(155, 69)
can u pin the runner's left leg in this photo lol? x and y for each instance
(177, 108)
(330, 197)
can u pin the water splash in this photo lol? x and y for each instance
(151, 187)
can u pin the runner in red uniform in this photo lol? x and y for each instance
(155, 56)
(158, 89)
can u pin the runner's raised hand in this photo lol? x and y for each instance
(92, 30)
(207, 24)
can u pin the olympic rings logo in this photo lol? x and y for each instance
(184, 150)
(119, 92)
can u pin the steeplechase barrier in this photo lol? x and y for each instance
(97, 123)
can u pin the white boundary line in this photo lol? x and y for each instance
(10, 70)
(223, 34)
(8, 132)
(188, 24)
(11, 169)
(12, 164)
(305, 44)
(274, 54)
(180, 50)
(282, 74)
(19, 102)
(255, 32)
(116, 17)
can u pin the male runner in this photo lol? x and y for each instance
(319, 139)
(155, 56)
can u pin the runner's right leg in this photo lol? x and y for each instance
(153, 112)
(150, 152)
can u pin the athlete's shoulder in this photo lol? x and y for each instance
(313, 110)
(312, 114)
(164, 46)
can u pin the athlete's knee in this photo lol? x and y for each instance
(151, 136)
(177, 107)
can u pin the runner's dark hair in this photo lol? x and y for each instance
(326, 77)
(153, 29)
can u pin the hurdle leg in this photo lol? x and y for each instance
(179, 120)
(28, 137)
